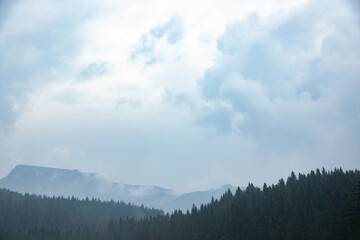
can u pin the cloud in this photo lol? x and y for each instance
(6, 7)
(37, 42)
(133, 103)
(95, 69)
(266, 94)
(292, 76)
(145, 46)
(172, 31)
(178, 98)
(355, 6)
(219, 117)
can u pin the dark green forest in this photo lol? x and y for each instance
(318, 205)
(25, 212)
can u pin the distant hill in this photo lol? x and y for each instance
(64, 182)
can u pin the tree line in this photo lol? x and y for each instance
(319, 205)
(29, 211)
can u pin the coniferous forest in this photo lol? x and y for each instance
(318, 205)
(25, 212)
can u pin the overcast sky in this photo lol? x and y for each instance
(187, 95)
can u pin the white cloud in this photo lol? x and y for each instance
(37, 41)
(293, 77)
(95, 69)
(237, 91)
(172, 31)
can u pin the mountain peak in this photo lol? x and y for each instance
(24, 167)
(30, 173)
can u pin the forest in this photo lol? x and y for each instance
(318, 205)
(25, 212)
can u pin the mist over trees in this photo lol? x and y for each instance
(318, 205)
(25, 211)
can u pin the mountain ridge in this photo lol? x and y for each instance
(65, 182)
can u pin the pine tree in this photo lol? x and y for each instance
(355, 214)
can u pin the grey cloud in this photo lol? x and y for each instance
(95, 69)
(178, 98)
(219, 117)
(7, 113)
(133, 103)
(37, 43)
(6, 7)
(172, 30)
(355, 7)
(289, 77)
(145, 45)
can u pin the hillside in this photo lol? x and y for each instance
(318, 205)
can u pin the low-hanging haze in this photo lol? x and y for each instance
(186, 95)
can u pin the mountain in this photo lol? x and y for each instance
(186, 200)
(64, 182)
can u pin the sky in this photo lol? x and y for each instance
(187, 95)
